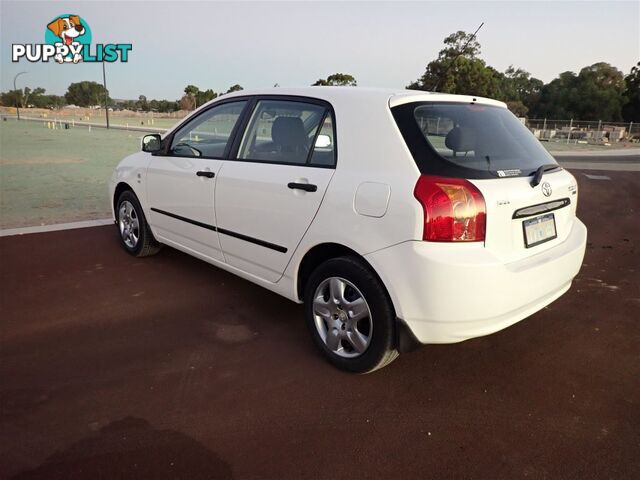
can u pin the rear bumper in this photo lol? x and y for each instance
(449, 293)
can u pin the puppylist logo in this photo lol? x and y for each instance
(68, 40)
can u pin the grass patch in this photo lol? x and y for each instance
(52, 176)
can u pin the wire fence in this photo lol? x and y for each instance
(584, 131)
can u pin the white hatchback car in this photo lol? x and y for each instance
(397, 217)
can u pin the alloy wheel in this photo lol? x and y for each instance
(342, 317)
(129, 224)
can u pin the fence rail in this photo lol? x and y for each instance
(591, 131)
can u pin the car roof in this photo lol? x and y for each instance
(394, 97)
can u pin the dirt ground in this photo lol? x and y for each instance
(166, 367)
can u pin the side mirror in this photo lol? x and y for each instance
(323, 141)
(151, 143)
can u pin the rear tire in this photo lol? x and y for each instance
(350, 315)
(135, 234)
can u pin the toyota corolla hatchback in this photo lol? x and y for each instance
(397, 217)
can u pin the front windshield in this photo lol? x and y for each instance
(481, 137)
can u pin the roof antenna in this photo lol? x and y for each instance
(435, 89)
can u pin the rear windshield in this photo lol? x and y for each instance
(469, 140)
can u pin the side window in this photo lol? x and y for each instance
(324, 150)
(281, 131)
(208, 134)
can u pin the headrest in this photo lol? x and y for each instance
(461, 139)
(289, 132)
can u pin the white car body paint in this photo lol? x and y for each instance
(444, 292)
(372, 199)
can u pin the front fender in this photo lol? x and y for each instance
(132, 171)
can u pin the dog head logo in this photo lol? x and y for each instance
(67, 28)
(70, 31)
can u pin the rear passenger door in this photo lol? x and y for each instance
(269, 193)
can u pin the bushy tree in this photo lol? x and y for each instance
(167, 106)
(142, 104)
(234, 88)
(85, 94)
(596, 93)
(337, 79)
(459, 70)
(24, 97)
(11, 98)
(199, 97)
(520, 87)
(518, 108)
(53, 101)
(462, 43)
(631, 111)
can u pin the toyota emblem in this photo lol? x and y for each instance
(546, 189)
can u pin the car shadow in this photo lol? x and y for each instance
(131, 448)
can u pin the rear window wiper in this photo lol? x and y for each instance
(537, 176)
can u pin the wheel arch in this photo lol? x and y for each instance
(121, 187)
(405, 341)
(321, 253)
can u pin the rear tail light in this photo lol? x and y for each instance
(454, 209)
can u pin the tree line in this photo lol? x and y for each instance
(597, 92)
(90, 94)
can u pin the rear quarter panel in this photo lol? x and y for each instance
(370, 149)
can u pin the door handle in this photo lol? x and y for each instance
(307, 187)
(205, 173)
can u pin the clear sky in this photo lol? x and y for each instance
(256, 44)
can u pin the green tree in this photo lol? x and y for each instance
(518, 108)
(205, 96)
(32, 97)
(142, 104)
(53, 101)
(85, 94)
(24, 97)
(462, 43)
(520, 89)
(167, 106)
(199, 97)
(234, 88)
(191, 90)
(558, 97)
(458, 70)
(337, 79)
(127, 105)
(601, 87)
(11, 98)
(596, 93)
(631, 111)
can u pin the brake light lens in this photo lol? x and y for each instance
(454, 209)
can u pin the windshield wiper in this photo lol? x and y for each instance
(537, 177)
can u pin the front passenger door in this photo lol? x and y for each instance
(181, 183)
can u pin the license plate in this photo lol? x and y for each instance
(538, 230)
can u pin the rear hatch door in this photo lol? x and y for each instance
(523, 220)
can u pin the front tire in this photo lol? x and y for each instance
(350, 315)
(135, 234)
